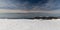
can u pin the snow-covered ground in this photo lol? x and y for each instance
(25, 24)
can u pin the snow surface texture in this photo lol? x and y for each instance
(29, 24)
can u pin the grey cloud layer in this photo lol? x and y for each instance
(30, 4)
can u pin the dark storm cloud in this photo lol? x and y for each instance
(30, 4)
(34, 2)
(43, 7)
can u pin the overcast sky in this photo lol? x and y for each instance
(26, 6)
(30, 4)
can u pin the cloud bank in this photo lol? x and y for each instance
(26, 6)
(30, 4)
